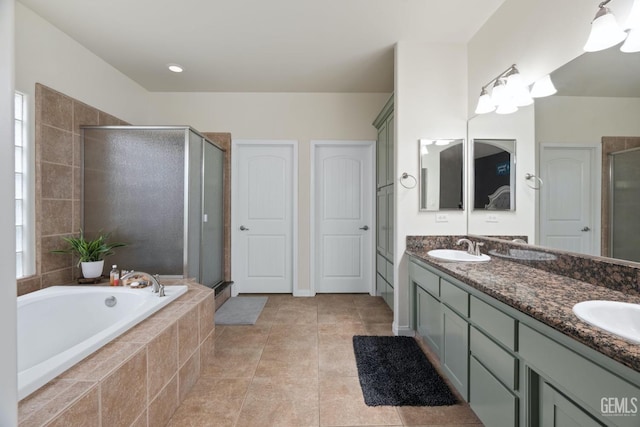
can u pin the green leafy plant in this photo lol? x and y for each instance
(90, 250)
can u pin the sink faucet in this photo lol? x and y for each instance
(472, 248)
(157, 287)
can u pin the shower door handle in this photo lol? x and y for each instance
(586, 228)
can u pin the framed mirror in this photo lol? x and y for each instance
(494, 171)
(441, 177)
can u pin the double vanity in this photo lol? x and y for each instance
(507, 337)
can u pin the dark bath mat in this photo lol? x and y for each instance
(394, 371)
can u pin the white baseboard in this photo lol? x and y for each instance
(303, 293)
(402, 331)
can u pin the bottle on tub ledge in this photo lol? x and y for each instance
(114, 276)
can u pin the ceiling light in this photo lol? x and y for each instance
(485, 104)
(543, 87)
(605, 31)
(632, 43)
(176, 68)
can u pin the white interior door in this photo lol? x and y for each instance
(343, 217)
(263, 215)
(569, 198)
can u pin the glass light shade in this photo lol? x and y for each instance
(632, 43)
(605, 32)
(633, 20)
(518, 91)
(485, 104)
(543, 87)
(506, 108)
(499, 92)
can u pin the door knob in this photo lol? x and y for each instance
(365, 228)
(586, 229)
(243, 228)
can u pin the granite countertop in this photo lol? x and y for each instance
(546, 297)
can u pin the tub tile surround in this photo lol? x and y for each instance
(58, 137)
(546, 290)
(138, 379)
(58, 186)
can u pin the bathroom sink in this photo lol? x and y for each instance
(619, 318)
(455, 255)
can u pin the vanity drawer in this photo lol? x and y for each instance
(497, 360)
(454, 297)
(498, 325)
(426, 279)
(490, 400)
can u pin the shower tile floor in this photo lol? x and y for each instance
(295, 367)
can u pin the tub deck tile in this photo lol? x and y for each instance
(101, 363)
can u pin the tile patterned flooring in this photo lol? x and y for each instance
(295, 367)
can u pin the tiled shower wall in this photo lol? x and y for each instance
(58, 187)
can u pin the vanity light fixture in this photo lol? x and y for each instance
(632, 43)
(605, 31)
(543, 87)
(508, 92)
(176, 68)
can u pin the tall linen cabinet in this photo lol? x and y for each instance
(384, 201)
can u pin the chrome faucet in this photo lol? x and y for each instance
(157, 287)
(472, 248)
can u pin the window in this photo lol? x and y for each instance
(23, 255)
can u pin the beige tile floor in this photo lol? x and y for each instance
(295, 367)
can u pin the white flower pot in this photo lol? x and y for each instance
(91, 270)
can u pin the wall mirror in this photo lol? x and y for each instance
(441, 178)
(594, 113)
(494, 171)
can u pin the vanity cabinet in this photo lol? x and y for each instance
(384, 123)
(512, 369)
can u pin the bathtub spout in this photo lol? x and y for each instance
(152, 278)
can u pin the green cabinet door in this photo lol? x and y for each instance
(381, 222)
(390, 149)
(381, 156)
(390, 216)
(429, 319)
(558, 411)
(455, 350)
(492, 402)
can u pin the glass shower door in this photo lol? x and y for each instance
(625, 205)
(212, 247)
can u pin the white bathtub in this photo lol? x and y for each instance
(61, 325)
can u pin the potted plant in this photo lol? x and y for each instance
(90, 253)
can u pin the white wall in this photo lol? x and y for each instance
(430, 102)
(46, 55)
(279, 116)
(583, 119)
(8, 363)
(518, 126)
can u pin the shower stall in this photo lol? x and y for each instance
(625, 204)
(160, 190)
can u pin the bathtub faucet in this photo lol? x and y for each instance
(157, 287)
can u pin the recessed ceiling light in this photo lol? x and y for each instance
(175, 68)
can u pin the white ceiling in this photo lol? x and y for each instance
(261, 45)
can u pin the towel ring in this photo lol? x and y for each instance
(530, 176)
(406, 176)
